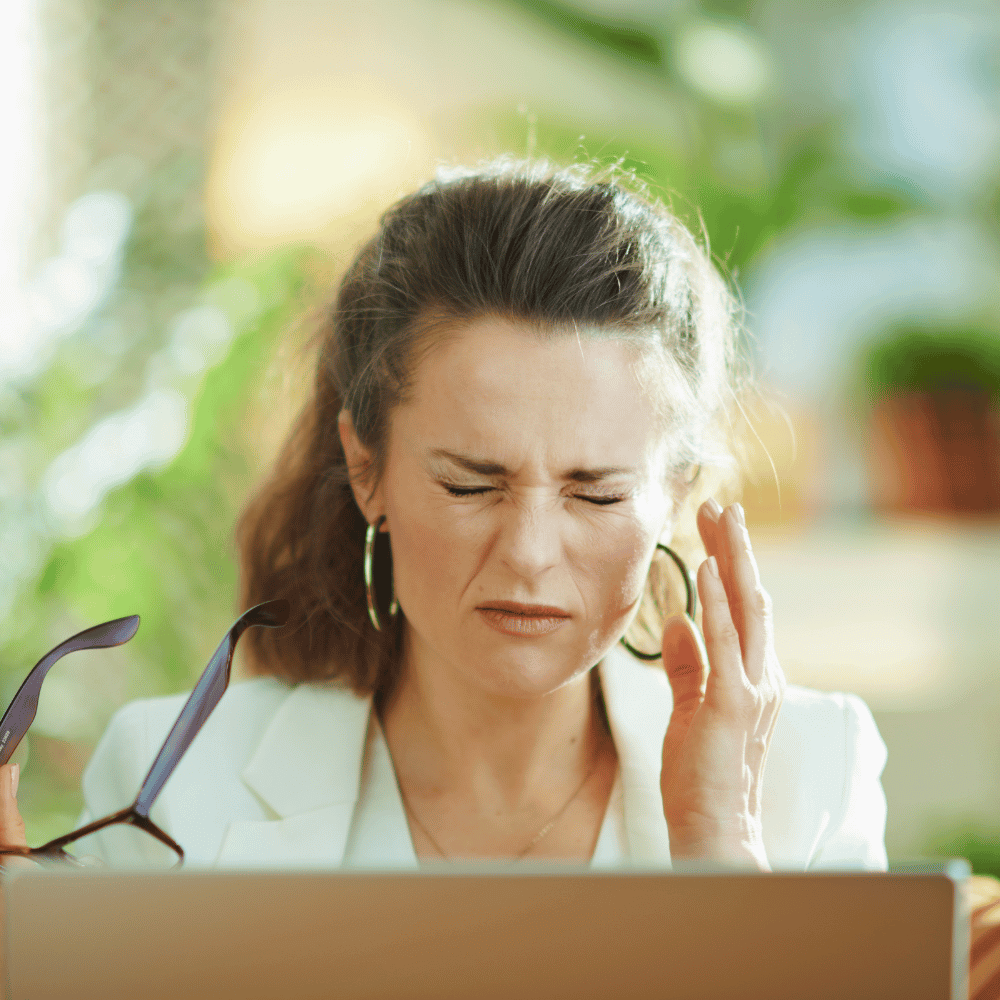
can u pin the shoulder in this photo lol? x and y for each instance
(208, 790)
(822, 778)
(234, 729)
(822, 716)
(138, 730)
(829, 732)
(246, 706)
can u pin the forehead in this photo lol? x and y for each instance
(499, 386)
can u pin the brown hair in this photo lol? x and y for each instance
(568, 248)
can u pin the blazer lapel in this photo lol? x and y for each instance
(639, 702)
(306, 772)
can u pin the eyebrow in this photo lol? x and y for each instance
(484, 468)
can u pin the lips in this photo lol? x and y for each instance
(524, 621)
(525, 610)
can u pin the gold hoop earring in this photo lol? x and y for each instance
(691, 605)
(369, 582)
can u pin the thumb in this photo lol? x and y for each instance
(11, 824)
(685, 660)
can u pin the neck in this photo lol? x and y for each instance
(504, 752)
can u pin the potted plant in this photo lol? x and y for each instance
(932, 396)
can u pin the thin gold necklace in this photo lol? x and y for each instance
(534, 840)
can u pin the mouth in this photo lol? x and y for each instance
(525, 610)
(526, 620)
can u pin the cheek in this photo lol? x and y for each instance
(432, 562)
(628, 543)
(621, 570)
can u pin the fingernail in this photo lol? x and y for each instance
(740, 514)
(713, 506)
(713, 567)
(15, 779)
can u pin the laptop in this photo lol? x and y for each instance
(487, 932)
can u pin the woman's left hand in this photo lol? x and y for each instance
(726, 703)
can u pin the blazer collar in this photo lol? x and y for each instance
(307, 769)
(312, 750)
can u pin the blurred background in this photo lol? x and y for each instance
(182, 182)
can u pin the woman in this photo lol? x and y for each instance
(522, 376)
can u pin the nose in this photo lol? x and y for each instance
(529, 541)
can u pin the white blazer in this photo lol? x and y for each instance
(272, 779)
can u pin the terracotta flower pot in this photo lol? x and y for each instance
(935, 452)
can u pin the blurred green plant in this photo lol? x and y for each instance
(916, 357)
(625, 38)
(922, 401)
(162, 546)
(744, 173)
(979, 845)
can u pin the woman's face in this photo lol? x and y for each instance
(523, 469)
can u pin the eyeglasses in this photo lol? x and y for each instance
(206, 695)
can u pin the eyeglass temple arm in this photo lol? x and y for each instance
(127, 816)
(21, 712)
(207, 693)
(202, 701)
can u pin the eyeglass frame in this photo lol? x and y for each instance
(196, 710)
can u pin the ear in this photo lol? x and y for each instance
(359, 467)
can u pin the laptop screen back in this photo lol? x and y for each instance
(485, 935)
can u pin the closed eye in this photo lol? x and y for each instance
(460, 491)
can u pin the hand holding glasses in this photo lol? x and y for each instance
(206, 695)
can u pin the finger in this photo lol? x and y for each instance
(716, 523)
(11, 824)
(722, 641)
(750, 603)
(685, 660)
(708, 525)
(707, 520)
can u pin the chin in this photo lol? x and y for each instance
(525, 672)
(509, 667)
